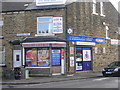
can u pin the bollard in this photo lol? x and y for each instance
(26, 74)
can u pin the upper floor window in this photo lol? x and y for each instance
(94, 6)
(102, 9)
(107, 32)
(2, 56)
(118, 30)
(44, 25)
(49, 25)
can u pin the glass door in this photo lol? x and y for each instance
(83, 59)
(79, 59)
(87, 59)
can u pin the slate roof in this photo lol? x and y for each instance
(13, 6)
(19, 6)
(43, 39)
(32, 6)
(38, 39)
(15, 42)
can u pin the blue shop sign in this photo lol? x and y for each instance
(85, 38)
(56, 58)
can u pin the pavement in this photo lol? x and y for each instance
(47, 79)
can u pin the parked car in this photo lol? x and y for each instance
(113, 69)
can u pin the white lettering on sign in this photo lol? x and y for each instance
(58, 45)
(23, 34)
(114, 42)
(35, 45)
(49, 2)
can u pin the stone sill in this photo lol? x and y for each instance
(94, 13)
(44, 34)
(2, 65)
(108, 38)
(102, 15)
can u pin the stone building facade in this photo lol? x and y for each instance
(78, 20)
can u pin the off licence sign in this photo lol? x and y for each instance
(57, 25)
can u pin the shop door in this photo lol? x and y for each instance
(17, 58)
(87, 59)
(83, 59)
(56, 61)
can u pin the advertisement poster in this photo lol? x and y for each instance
(79, 55)
(71, 61)
(71, 50)
(86, 55)
(104, 50)
(56, 58)
(96, 49)
(79, 66)
(57, 25)
(31, 57)
(43, 57)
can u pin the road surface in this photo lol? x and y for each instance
(101, 82)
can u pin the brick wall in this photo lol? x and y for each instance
(83, 22)
(78, 17)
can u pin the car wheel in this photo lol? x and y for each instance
(104, 75)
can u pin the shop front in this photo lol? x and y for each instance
(44, 58)
(83, 46)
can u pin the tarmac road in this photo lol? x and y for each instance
(99, 82)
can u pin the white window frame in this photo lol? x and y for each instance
(119, 30)
(49, 32)
(107, 33)
(95, 7)
(2, 52)
(102, 13)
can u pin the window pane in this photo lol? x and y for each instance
(94, 1)
(2, 55)
(44, 27)
(17, 57)
(31, 57)
(43, 57)
(102, 7)
(45, 19)
(94, 8)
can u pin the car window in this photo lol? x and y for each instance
(114, 64)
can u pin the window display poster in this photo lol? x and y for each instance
(71, 61)
(56, 58)
(43, 57)
(37, 57)
(71, 50)
(86, 55)
(96, 49)
(78, 66)
(104, 50)
(31, 57)
(79, 55)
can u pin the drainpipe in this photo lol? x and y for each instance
(50, 59)
(67, 46)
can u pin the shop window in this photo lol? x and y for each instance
(44, 25)
(2, 56)
(102, 9)
(43, 57)
(37, 57)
